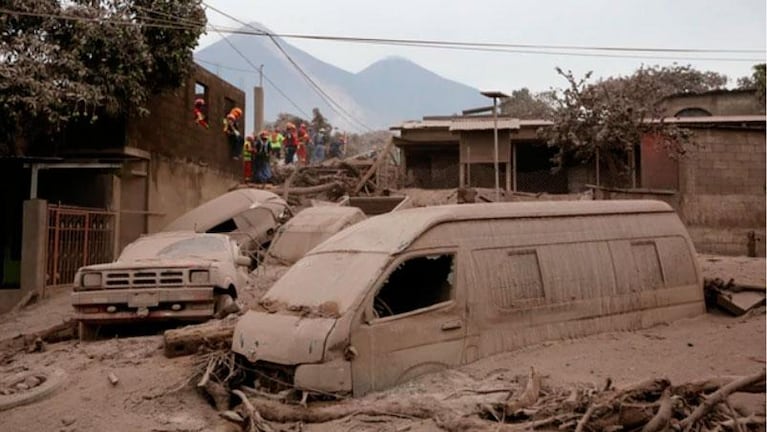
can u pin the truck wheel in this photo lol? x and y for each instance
(87, 332)
(225, 305)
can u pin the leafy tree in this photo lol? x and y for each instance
(525, 105)
(284, 118)
(61, 62)
(755, 81)
(611, 115)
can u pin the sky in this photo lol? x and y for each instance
(698, 24)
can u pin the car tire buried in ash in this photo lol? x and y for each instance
(87, 332)
(225, 305)
(28, 387)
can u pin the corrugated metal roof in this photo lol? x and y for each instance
(393, 232)
(483, 123)
(424, 124)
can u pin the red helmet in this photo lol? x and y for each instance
(236, 112)
(199, 102)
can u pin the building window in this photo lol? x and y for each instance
(416, 283)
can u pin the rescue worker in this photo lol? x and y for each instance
(275, 140)
(200, 116)
(303, 142)
(247, 159)
(291, 143)
(261, 152)
(319, 146)
(233, 137)
(335, 147)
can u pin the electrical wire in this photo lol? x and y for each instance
(335, 106)
(256, 70)
(435, 44)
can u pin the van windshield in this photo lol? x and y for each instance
(321, 279)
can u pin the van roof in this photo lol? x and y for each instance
(393, 232)
(219, 209)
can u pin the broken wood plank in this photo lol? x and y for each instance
(188, 340)
(738, 303)
(372, 170)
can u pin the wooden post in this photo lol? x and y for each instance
(597, 166)
(379, 160)
(460, 174)
(508, 178)
(468, 165)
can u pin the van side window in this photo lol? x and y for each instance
(416, 283)
(678, 265)
(224, 227)
(647, 265)
(513, 277)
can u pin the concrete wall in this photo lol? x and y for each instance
(718, 103)
(176, 186)
(33, 254)
(722, 184)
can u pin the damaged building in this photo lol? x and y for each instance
(80, 199)
(718, 188)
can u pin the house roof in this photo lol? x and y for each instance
(393, 232)
(482, 123)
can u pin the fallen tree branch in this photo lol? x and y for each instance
(720, 396)
(661, 419)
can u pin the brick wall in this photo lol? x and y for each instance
(170, 129)
(723, 189)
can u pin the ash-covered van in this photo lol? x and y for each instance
(420, 290)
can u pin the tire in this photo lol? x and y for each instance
(225, 305)
(53, 380)
(87, 332)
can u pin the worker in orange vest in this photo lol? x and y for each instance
(290, 143)
(303, 143)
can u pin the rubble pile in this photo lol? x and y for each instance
(650, 406)
(736, 299)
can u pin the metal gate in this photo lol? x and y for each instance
(76, 237)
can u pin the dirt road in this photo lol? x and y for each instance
(154, 394)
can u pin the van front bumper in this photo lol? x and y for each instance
(115, 305)
(331, 377)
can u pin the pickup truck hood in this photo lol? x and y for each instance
(282, 339)
(151, 263)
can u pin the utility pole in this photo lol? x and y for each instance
(258, 102)
(495, 95)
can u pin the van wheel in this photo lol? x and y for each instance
(225, 305)
(87, 332)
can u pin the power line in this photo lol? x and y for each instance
(452, 45)
(335, 106)
(256, 69)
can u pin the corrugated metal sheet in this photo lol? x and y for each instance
(424, 124)
(393, 232)
(483, 123)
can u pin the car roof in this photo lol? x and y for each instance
(393, 232)
(222, 208)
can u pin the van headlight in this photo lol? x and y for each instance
(199, 276)
(91, 280)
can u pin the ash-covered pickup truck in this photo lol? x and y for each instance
(181, 276)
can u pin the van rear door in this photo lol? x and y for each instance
(413, 323)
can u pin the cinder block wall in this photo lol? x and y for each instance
(722, 185)
(170, 129)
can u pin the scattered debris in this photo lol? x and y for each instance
(731, 297)
(212, 335)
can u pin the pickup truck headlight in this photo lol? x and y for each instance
(91, 280)
(199, 276)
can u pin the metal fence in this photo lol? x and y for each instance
(76, 237)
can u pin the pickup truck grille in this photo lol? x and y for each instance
(145, 278)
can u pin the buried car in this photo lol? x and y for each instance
(420, 290)
(180, 276)
(250, 216)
